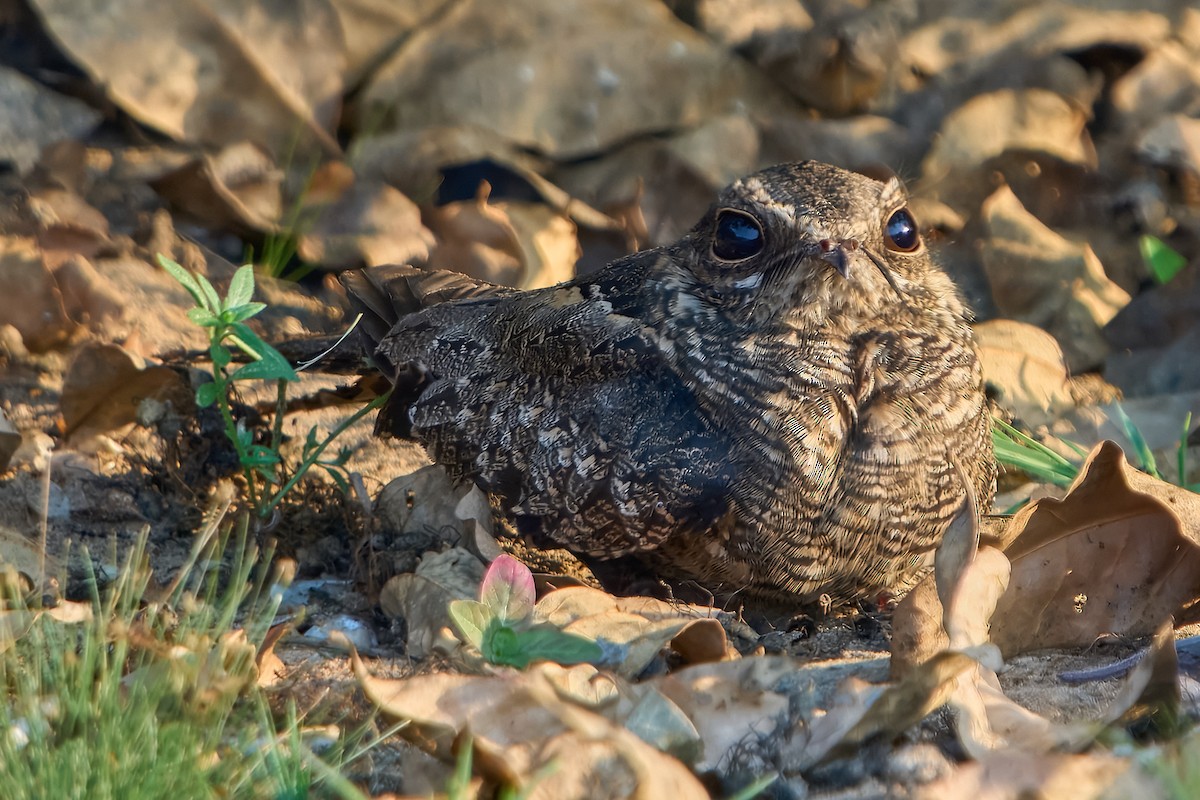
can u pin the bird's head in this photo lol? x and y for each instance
(807, 239)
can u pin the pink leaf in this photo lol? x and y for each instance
(507, 589)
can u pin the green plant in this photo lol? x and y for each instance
(141, 694)
(1016, 449)
(500, 624)
(1163, 261)
(225, 320)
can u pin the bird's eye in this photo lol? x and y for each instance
(901, 233)
(738, 236)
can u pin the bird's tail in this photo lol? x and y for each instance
(383, 295)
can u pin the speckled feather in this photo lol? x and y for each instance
(767, 426)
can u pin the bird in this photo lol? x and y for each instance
(785, 405)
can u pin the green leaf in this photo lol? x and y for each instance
(507, 589)
(276, 367)
(1181, 455)
(241, 313)
(1015, 449)
(220, 356)
(1140, 447)
(203, 317)
(1163, 260)
(206, 394)
(271, 367)
(502, 645)
(241, 287)
(185, 278)
(547, 643)
(212, 300)
(471, 618)
(258, 455)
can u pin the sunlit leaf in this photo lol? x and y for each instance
(471, 618)
(507, 589)
(241, 288)
(1162, 259)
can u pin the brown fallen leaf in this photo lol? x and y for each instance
(366, 224)
(519, 723)
(1009, 775)
(213, 72)
(29, 297)
(105, 386)
(1119, 554)
(730, 701)
(238, 188)
(1030, 120)
(639, 626)
(564, 80)
(526, 245)
(422, 598)
(1040, 277)
(1024, 369)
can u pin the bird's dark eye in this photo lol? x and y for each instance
(901, 232)
(737, 236)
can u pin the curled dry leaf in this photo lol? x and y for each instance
(1118, 554)
(213, 71)
(238, 188)
(1015, 774)
(526, 245)
(731, 701)
(639, 627)
(29, 297)
(1040, 277)
(105, 386)
(520, 722)
(367, 223)
(1024, 370)
(422, 598)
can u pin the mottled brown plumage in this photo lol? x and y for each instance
(773, 405)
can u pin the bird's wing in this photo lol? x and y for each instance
(559, 404)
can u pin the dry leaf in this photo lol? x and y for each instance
(1012, 775)
(526, 245)
(422, 598)
(239, 188)
(731, 701)
(1024, 370)
(29, 298)
(639, 626)
(1040, 277)
(1032, 120)
(519, 723)
(105, 386)
(1118, 554)
(566, 80)
(213, 71)
(367, 224)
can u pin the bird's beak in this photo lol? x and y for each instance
(836, 253)
(838, 259)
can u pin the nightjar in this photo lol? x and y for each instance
(782, 404)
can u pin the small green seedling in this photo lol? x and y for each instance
(225, 320)
(500, 624)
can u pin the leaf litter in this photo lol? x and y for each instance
(1094, 149)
